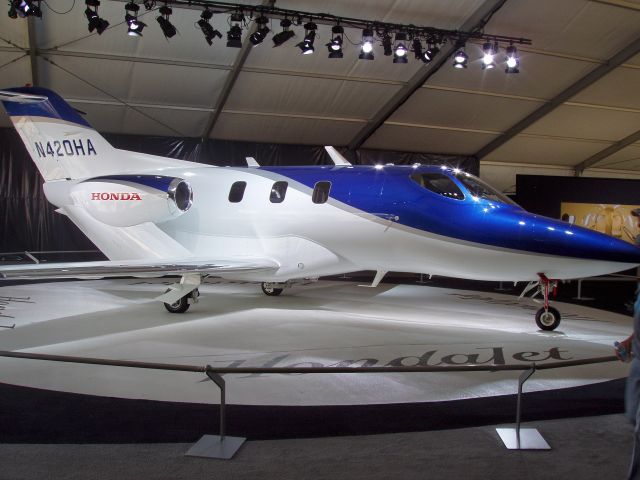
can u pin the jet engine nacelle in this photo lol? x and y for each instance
(126, 200)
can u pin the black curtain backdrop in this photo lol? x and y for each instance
(543, 194)
(29, 222)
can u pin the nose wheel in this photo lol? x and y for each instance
(548, 318)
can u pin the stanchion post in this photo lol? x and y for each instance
(518, 438)
(217, 446)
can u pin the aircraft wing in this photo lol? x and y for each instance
(136, 268)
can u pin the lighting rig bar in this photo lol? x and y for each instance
(298, 16)
(396, 39)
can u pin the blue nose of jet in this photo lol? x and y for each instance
(555, 237)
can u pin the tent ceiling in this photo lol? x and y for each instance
(154, 86)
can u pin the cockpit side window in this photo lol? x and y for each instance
(438, 183)
(480, 189)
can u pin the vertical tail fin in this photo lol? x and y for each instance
(61, 143)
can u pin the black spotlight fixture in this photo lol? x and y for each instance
(306, 46)
(490, 50)
(167, 27)
(460, 59)
(285, 34)
(131, 17)
(386, 43)
(400, 49)
(513, 61)
(261, 33)
(12, 13)
(95, 22)
(149, 4)
(335, 45)
(366, 46)
(234, 35)
(417, 48)
(24, 8)
(207, 30)
(429, 54)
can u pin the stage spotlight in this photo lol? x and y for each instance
(386, 43)
(513, 61)
(417, 48)
(234, 35)
(131, 17)
(306, 46)
(335, 45)
(460, 59)
(149, 4)
(430, 53)
(207, 30)
(285, 34)
(25, 8)
(366, 50)
(261, 33)
(167, 27)
(490, 50)
(95, 22)
(400, 50)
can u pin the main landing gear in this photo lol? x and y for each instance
(182, 304)
(179, 296)
(547, 317)
(271, 289)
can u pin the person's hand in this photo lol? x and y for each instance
(624, 346)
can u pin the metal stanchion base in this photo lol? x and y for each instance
(530, 439)
(210, 446)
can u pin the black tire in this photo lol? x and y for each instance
(180, 306)
(271, 291)
(548, 319)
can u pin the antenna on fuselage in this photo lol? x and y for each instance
(336, 156)
(251, 162)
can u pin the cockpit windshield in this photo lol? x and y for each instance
(480, 189)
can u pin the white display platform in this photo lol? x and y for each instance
(323, 324)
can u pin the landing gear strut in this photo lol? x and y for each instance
(547, 318)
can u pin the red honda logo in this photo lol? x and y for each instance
(115, 196)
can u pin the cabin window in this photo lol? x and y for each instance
(237, 192)
(438, 183)
(321, 192)
(278, 191)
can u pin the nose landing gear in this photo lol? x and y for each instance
(547, 317)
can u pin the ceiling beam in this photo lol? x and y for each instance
(127, 58)
(33, 51)
(232, 76)
(589, 79)
(607, 152)
(475, 22)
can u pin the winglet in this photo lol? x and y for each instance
(337, 158)
(251, 162)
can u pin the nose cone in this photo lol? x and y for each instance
(559, 238)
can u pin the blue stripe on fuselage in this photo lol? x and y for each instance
(390, 192)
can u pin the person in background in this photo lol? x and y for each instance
(628, 350)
